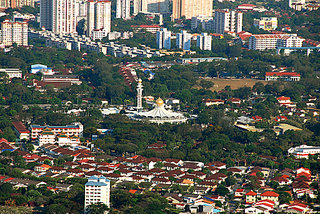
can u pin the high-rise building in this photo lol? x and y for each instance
(204, 22)
(191, 8)
(98, 18)
(164, 39)
(16, 3)
(58, 16)
(14, 32)
(227, 20)
(139, 94)
(183, 40)
(97, 190)
(266, 23)
(151, 6)
(204, 42)
(123, 9)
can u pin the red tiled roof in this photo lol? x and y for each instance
(270, 194)
(251, 193)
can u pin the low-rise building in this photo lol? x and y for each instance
(12, 72)
(285, 76)
(21, 131)
(303, 151)
(266, 23)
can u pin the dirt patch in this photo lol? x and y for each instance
(220, 84)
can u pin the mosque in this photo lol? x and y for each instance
(158, 114)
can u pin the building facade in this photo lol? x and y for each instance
(151, 6)
(183, 40)
(15, 3)
(227, 20)
(204, 22)
(204, 42)
(123, 9)
(98, 19)
(58, 16)
(285, 76)
(69, 130)
(164, 39)
(272, 41)
(14, 33)
(304, 151)
(191, 8)
(266, 23)
(97, 190)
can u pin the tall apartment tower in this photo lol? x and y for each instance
(123, 9)
(183, 40)
(98, 18)
(58, 16)
(228, 20)
(191, 8)
(204, 42)
(151, 6)
(15, 3)
(14, 32)
(164, 39)
(97, 190)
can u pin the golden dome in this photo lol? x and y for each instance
(159, 102)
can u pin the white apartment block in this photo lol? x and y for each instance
(204, 42)
(205, 22)
(151, 6)
(272, 41)
(58, 16)
(123, 9)
(14, 32)
(304, 151)
(183, 40)
(12, 72)
(164, 39)
(227, 20)
(98, 18)
(97, 190)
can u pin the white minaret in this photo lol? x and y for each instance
(139, 94)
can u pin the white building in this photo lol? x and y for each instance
(14, 32)
(204, 41)
(12, 72)
(97, 190)
(46, 136)
(70, 130)
(285, 76)
(98, 19)
(303, 151)
(272, 41)
(227, 20)
(64, 140)
(123, 9)
(164, 39)
(183, 40)
(58, 16)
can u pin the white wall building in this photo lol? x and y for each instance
(272, 41)
(164, 39)
(228, 20)
(204, 41)
(183, 40)
(12, 72)
(58, 16)
(98, 19)
(14, 32)
(123, 9)
(97, 190)
(303, 151)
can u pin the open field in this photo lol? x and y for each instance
(220, 84)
